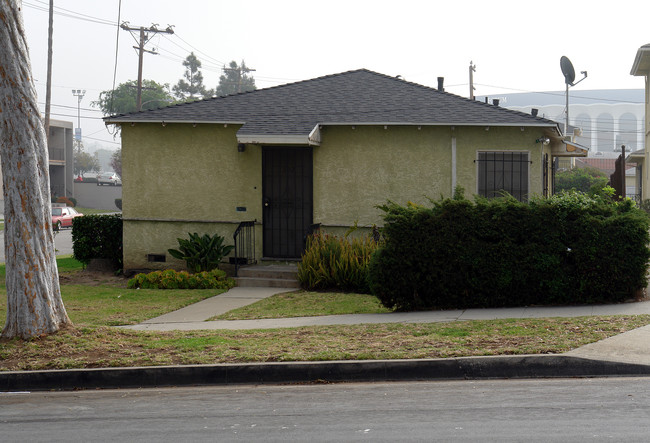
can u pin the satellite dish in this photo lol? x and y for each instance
(567, 70)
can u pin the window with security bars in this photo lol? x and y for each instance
(503, 171)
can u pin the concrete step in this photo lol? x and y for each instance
(271, 271)
(270, 276)
(267, 282)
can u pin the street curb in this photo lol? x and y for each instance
(464, 368)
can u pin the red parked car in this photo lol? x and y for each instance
(62, 217)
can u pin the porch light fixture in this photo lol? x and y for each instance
(241, 147)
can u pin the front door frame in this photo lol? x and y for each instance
(287, 200)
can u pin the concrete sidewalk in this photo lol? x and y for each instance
(626, 354)
(630, 347)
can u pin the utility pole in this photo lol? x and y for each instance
(240, 72)
(79, 93)
(48, 88)
(145, 35)
(472, 70)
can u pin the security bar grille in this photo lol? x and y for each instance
(500, 172)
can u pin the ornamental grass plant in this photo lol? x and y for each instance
(340, 263)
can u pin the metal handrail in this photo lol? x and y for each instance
(245, 248)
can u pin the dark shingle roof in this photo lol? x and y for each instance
(353, 97)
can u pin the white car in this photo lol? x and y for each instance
(109, 178)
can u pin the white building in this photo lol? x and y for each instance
(606, 119)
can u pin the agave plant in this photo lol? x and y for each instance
(201, 253)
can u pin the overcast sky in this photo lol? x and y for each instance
(515, 45)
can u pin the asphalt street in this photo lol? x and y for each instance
(62, 242)
(612, 409)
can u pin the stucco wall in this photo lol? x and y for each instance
(357, 169)
(470, 140)
(180, 178)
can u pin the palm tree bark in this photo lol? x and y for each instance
(34, 305)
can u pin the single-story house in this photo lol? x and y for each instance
(323, 151)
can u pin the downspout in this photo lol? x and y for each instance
(453, 164)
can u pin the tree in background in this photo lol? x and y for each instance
(84, 162)
(581, 179)
(192, 87)
(124, 99)
(116, 161)
(34, 304)
(235, 79)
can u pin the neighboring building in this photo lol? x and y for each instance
(61, 161)
(61, 158)
(605, 119)
(323, 151)
(641, 67)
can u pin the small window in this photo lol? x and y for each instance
(500, 172)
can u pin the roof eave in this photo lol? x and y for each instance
(121, 120)
(276, 139)
(392, 123)
(641, 64)
(571, 149)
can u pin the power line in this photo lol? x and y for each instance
(117, 45)
(219, 62)
(72, 107)
(69, 14)
(103, 141)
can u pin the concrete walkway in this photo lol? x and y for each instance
(630, 347)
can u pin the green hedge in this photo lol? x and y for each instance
(171, 279)
(568, 249)
(98, 236)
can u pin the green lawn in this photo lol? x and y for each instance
(307, 304)
(106, 305)
(93, 342)
(91, 211)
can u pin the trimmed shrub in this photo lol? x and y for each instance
(66, 200)
(98, 236)
(568, 249)
(581, 179)
(170, 279)
(331, 262)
